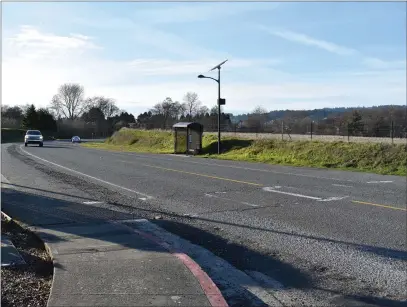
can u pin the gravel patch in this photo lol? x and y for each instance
(28, 284)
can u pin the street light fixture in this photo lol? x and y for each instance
(220, 101)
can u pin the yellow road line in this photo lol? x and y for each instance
(204, 175)
(252, 183)
(377, 205)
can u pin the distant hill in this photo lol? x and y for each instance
(316, 114)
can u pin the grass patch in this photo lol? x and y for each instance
(137, 141)
(368, 157)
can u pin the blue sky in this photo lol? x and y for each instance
(281, 55)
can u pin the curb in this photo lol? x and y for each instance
(210, 289)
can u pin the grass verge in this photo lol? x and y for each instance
(368, 157)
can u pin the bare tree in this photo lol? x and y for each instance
(106, 105)
(178, 109)
(192, 104)
(69, 101)
(259, 110)
(257, 118)
(166, 110)
(202, 111)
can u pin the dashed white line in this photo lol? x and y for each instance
(272, 189)
(342, 185)
(380, 181)
(86, 175)
(333, 198)
(249, 204)
(92, 202)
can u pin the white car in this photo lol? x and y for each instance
(33, 137)
(76, 139)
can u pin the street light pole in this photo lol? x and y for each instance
(219, 99)
(219, 110)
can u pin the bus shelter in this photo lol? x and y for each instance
(187, 137)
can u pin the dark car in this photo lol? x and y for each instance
(33, 137)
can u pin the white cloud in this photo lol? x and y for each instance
(137, 85)
(31, 37)
(31, 43)
(163, 67)
(310, 41)
(369, 62)
(375, 63)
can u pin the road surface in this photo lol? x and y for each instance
(325, 237)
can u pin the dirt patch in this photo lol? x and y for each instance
(28, 284)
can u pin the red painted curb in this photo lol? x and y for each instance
(211, 291)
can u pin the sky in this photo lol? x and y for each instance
(287, 55)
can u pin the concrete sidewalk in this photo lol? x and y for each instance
(106, 264)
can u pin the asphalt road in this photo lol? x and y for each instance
(328, 237)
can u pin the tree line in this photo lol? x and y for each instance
(69, 113)
(380, 121)
(165, 114)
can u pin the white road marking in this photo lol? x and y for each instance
(190, 215)
(229, 199)
(134, 155)
(86, 175)
(249, 204)
(4, 179)
(383, 181)
(342, 185)
(92, 202)
(333, 198)
(271, 189)
(131, 221)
